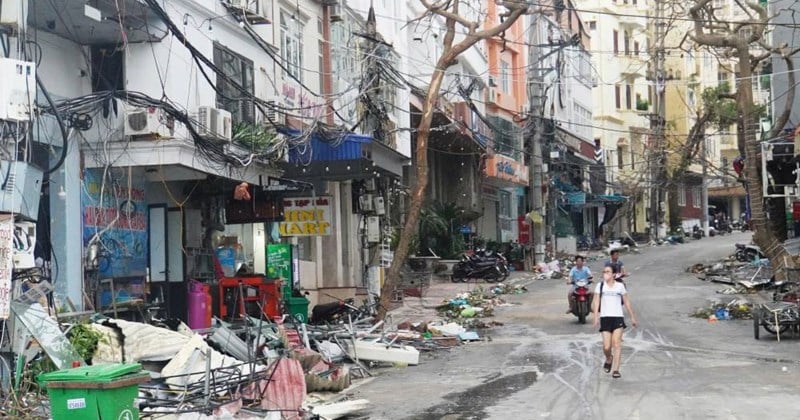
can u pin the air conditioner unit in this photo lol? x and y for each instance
(149, 122)
(248, 5)
(215, 122)
(273, 111)
(491, 95)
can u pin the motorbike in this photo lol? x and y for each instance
(474, 266)
(343, 310)
(747, 253)
(697, 233)
(581, 300)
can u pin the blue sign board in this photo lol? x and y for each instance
(116, 211)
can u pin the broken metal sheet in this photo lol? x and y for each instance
(340, 409)
(230, 343)
(144, 342)
(188, 366)
(286, 389)
(45, 329)
(380, 352)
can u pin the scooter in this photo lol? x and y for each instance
(472, 268)
(581, 300)
(697, 233)
(481, 256)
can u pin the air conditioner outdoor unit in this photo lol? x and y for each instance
(149, 122)
(215, 122)
(272, 111)
(247, 5)
(491, 95)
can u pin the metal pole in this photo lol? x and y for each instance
(535, 99)
(657, 126)
(704, 162)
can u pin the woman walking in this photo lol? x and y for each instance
(610, 296)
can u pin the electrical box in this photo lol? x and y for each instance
(17, 90)
(369, 184)
(373, 229)
(13, 13)
(365, 203)
(20, 188)
(24, 244)
(380, 208)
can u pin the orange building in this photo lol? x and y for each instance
(505, 174)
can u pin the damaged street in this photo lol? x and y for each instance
(542, 364)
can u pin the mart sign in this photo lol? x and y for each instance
(307, 216)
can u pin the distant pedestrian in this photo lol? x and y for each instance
(610, 296)
(616, 265)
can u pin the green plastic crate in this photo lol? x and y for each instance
(298, 308)
(98, 392)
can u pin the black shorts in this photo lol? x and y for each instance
(611, 323)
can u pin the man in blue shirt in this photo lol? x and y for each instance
(578, 272)
(616, 266)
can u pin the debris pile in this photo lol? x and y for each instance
(735, 309)
(256, 367)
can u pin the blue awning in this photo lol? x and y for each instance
(348, 156)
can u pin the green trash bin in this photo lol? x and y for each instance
(298, 308)
(99, 392)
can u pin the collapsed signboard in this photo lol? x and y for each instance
(307, 216)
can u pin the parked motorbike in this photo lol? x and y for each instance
(482, 255)
(747, 253)
(475, 267)
(343, 310)
(697, 233)
(581, 300)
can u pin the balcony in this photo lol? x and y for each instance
(97, 22)
(632, 65)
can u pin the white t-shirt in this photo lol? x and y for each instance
(611, 303)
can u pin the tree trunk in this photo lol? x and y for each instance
(762, 235)
(418, 194)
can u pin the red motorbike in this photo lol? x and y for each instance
(582, 300)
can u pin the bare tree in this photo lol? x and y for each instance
(455, 23)
(738, 41)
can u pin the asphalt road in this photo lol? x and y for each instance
(543, 365)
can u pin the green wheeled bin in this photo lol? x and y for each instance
(98, 392)
(298, 308)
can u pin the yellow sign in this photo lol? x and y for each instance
(306, 216)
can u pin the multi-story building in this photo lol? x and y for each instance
(189, 124)
(576, 179)
(621, 100)
(506, 171)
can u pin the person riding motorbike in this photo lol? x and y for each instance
(576, 273)
(617, 268)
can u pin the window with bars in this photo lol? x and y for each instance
(239, 71)
(681, 195)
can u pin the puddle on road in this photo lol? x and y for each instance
(473, 402)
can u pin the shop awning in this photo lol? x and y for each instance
(352, 156)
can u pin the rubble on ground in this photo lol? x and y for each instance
(263, 368)
(720, 311)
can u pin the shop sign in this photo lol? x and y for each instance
(524, 230)
(306, 216)
(279, 261)
(296, 97)
(6, 264)
(507, 169)
(117, 210)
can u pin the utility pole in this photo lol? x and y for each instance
(535, 98)
(704, 162)
(657, 157)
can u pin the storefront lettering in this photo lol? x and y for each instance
(308, 216)
(505, 168)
